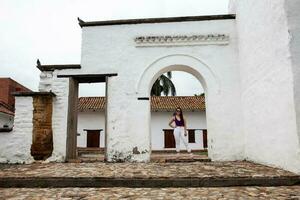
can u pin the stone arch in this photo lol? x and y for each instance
(177, 62)
(189, 64)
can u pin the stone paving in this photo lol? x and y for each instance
(155, 157)
(147, 170)
(143, 170)
(245, 193)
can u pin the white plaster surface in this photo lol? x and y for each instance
(60, 87)
(293, 16)
(267, 84)
(15, 145)
(6, 120)
(215, 66)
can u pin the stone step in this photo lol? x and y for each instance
(181, 160)
(284, 192)
(155, 157)
(89, 159)
(61, 182)
(101, 174)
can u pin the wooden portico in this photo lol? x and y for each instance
(74, 81)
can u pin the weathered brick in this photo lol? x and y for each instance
(42, 136)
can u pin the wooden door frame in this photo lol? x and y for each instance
(71, 152)
(72, 115)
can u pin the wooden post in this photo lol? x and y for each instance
(71, 150)
(105, 116)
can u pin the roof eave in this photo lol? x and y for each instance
(156, 20)
(57, 67)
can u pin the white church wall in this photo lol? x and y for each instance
(15, 145)
(60, 87)
(293, 15)
(267, 84)
(6, 120)
(111, 49)
(90, 120)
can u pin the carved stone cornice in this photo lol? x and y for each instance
(182, 40)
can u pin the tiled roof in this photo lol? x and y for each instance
(91, 103)
(162, 103)
(170, 103)
(4, 108)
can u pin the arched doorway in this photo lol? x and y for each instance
(178, 89)
(184, 63)
(129, 113)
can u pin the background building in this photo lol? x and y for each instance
(91, 121)
(7, 102)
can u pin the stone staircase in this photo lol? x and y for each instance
(154, 180)
(140, 175)
(97, 155)
(168, 174)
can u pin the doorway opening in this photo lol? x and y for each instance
(91, 122)
(73, 107)
(169, 91)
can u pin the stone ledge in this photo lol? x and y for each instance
(136, 182)
(30, 94)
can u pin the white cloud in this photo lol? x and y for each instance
(48, 29)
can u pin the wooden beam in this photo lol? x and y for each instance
(71, 152)
(88, 78)
(143, 98)
(57, 67)
(105, 118)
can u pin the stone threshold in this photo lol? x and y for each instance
(135, 182)
(158, 160)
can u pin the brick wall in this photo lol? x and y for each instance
(8, 86)
(42, 139)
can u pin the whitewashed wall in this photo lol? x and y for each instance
(267, 84)
(15, 145)
(160, 121)
(90, 120)
(6, 119)
(293, 16)
(60, 87)
(111, 49)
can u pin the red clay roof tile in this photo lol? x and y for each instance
(158, 103)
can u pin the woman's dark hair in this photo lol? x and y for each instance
(181, 114)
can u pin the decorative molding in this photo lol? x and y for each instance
(182, 40)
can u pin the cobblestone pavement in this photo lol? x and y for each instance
(290, 192)
(143, 170)
(155, 157)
